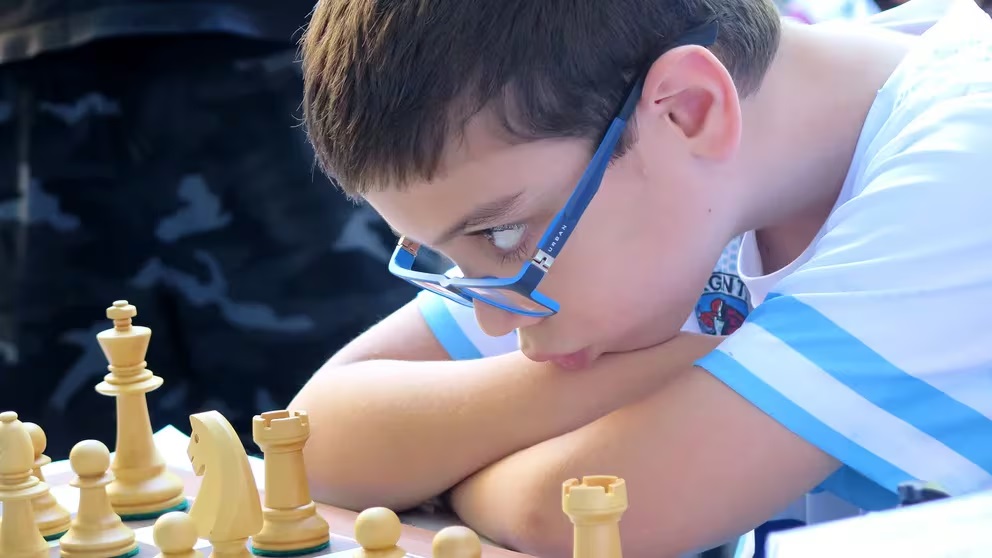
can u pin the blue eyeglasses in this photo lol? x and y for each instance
(519, 294)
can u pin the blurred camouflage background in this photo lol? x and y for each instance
(152, 151)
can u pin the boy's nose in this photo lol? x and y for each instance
(496, 322)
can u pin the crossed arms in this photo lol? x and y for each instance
(502, 434)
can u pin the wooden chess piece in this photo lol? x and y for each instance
(52, 519)
(19, 536)
(227, 509)
(143, 487)
(595, 505)
(456, 542)
(174, 534)
(96, 531)
(378, 532)
(291, 524)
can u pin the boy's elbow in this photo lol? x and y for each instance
(356, 492)
(337, 468)
(331, 485)
(543, 530)
(355, 478)
(512, 507)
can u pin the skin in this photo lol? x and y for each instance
(592, 319)
(702, 170)
(399, 406)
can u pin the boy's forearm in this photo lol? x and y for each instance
(705, 465)
(395, 433)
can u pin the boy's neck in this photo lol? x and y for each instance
(802, 127)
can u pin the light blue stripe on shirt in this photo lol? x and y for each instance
(843, 356)
(446, 329)
(798, 420)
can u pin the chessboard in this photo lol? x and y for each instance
(344, 527)
(136, 502)
(345, 533)
(339, 546)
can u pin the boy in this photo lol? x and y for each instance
(644, 135)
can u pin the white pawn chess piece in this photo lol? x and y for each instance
(52, 519)
(456, 542)
(378, 532)
(174, 534)
(19, 535)
(96, 531)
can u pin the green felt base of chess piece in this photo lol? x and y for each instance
(296, 552)
(130, 554)
(55, 536)
(181, 507)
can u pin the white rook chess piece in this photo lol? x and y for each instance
(378, 532)
(291, 523)
(143, 487)
(96, 531)
(52, 519)
(19, 536)
(595, 506)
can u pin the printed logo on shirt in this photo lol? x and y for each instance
(724, 305)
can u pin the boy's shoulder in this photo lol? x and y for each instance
(951, 63)
(938, 99)
(932, 116)
(866, 346)
(923, 149)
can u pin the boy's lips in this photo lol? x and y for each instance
(571, 361)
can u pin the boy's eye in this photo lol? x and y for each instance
(505, 238)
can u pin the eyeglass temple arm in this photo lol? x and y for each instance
(703, 35)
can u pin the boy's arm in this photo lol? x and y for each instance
(429, 328)
(403, 335)
(392, 427)
(702, 466)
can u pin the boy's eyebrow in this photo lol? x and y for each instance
(486, 214)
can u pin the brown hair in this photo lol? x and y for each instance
(389, 83)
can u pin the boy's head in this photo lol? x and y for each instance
(435, 110)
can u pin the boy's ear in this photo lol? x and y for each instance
(693, 92)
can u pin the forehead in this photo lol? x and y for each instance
(479, 167)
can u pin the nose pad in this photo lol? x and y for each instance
(497, 322)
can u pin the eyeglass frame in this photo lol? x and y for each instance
(532, 272)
